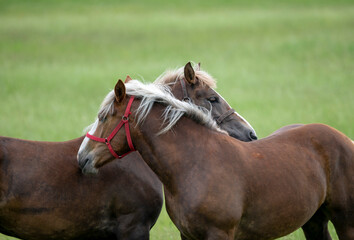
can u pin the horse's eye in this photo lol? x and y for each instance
(102, 119)
(213, 99)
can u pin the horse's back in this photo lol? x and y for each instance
(334, 150)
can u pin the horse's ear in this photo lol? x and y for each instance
(127, 79)
(119, 91)
(189, 74)
(198, 67)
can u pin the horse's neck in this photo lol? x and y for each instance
(171, 154)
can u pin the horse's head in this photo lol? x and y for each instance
(120, 119)
(110, 132)
(197, 86)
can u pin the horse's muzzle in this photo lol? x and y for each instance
(83, 161)
(252, 136)
(86, 163)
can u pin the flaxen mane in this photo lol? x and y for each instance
(151, 93)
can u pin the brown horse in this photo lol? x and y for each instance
(217, 187)
(43, 194)
(198, 86)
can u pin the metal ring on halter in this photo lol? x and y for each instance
(125, 118)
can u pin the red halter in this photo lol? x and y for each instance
(108, 139)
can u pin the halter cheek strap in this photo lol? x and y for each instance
(122, 122)
(186, 98)
(222, 117)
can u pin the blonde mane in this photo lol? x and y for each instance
(151, 93)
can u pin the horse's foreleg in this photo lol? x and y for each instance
(317, 227)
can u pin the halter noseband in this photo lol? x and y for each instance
(122, 122)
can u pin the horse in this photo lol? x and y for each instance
(44, 195)
(197, 86)
(217, 187)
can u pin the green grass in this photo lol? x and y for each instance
(277, 62)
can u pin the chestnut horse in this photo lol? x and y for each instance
(198, 86)
(44, 195)
(217, 187)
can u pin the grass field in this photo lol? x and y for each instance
(276, 62)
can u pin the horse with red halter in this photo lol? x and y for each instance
(217, 187)
(44, 195)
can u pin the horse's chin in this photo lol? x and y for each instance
(89, 169)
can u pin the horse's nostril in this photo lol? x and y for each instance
(252, 136)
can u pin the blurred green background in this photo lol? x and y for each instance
(276, 62)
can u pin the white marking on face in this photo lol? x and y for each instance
(86, 139)
(237, 114)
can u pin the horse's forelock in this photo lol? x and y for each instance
(206, 78)
(171, 76)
